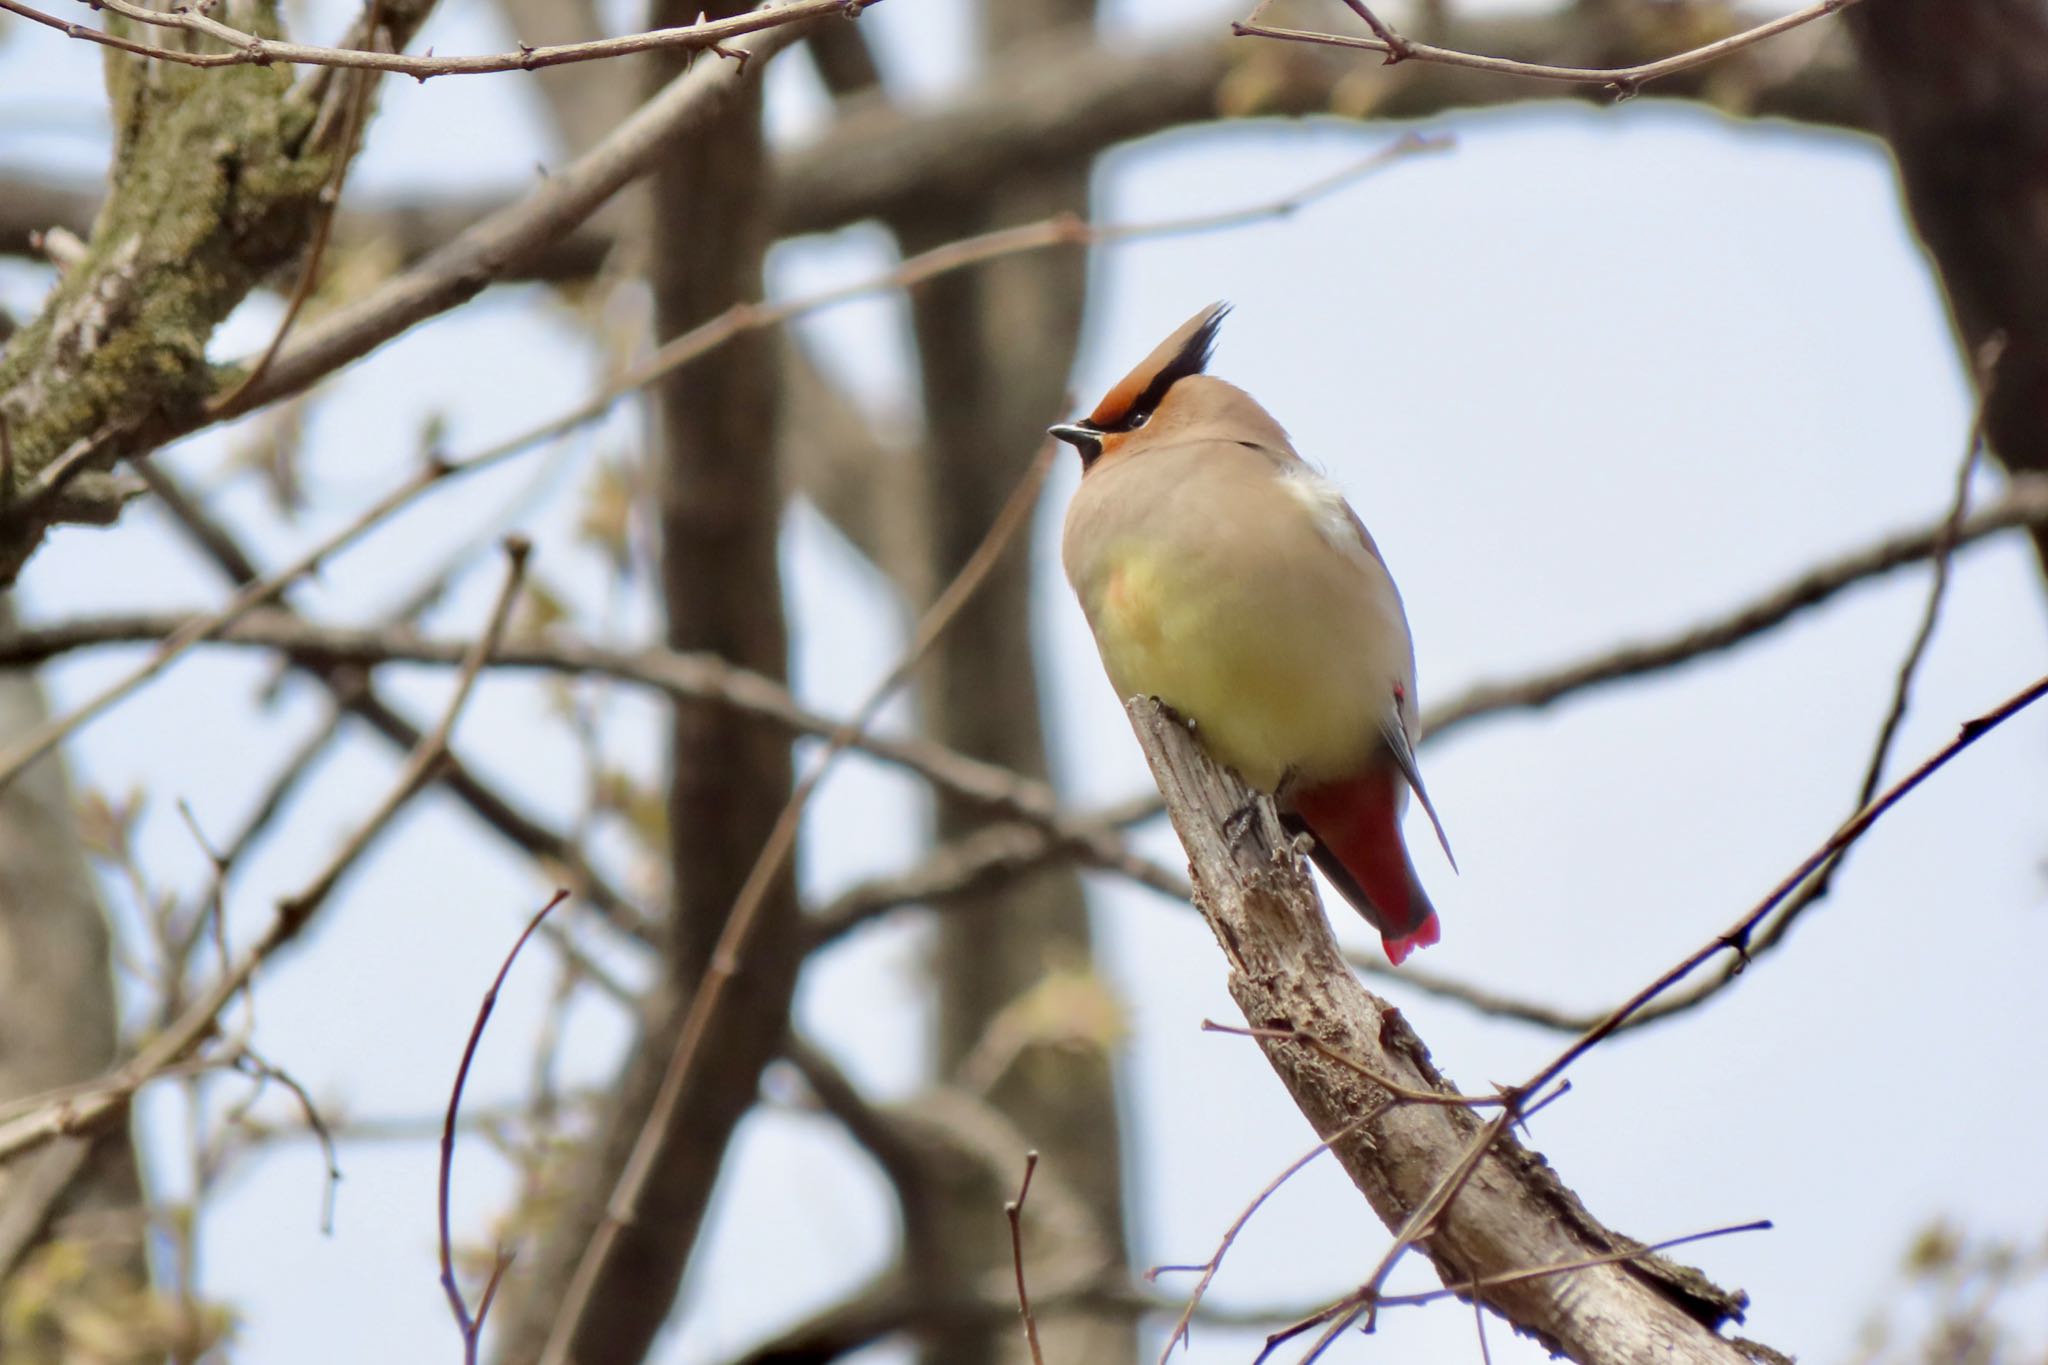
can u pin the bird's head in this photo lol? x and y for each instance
(1146, 402)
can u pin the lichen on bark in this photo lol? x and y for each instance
(214, 182)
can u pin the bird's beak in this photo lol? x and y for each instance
(1087, 440)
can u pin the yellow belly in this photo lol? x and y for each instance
(1272, 683)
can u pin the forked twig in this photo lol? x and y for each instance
(472, 1327)
(1183, 1325)
(1014, 1211)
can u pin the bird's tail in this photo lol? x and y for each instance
(1356, 825)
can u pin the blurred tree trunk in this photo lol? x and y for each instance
(996, 346)
(1960, 90)
(713, 444)
(71, 1212)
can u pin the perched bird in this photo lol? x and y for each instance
(1226, 577)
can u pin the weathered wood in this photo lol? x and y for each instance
(1287, 974)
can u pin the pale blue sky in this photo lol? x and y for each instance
(1590, 376)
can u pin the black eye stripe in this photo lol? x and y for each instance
(1192, 358)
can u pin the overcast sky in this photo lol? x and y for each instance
(1590, 376)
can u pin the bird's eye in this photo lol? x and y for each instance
(1138, 419)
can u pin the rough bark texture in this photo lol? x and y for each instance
(215, 178)
(71, 1212)
(1515, 1214)
(714, 443)
(1960, 90)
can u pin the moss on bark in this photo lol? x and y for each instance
(216, 176)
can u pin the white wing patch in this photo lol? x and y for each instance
(1333, 516)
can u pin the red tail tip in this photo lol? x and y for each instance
(1424, 935)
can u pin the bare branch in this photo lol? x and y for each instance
(460, 270)
(248, 49)
(85, 1108)
(1285, 968)
(19, 755)
(2025, 504)
(1060, 230)
(472, 1327)
(734, 939)
(1736, 939)
(989, 857)
(1075, 95)
(1014, 1211)
(1623, 81)
(561, 855)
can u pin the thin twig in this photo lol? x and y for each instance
(1943, 552)
(1181, 1327)
(48, 735)
(247, 49)
(1059, 230)
(253, 1066)
(1014, 1211)
(1347, 1309)
(708, 999)
(472, 1327)
(2025, 504)
(358, 107)
(992, 856)
(1403, 1093)
(352, 690)
(1471, 1287)
(83, 1108)
(1735, 940)
(421, 764)
(1622, 80)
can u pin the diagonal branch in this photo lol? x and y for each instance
(2024, 504)
(86, 1108)
(354, 694)
(1286, 973)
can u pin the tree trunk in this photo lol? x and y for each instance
(71, 1211)
(996, 346)
(1960, 90)
(720, 505)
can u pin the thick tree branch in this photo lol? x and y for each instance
(155, 298)
(1287, 976)
(1958, 87)
(216, 183)
(490, 249)
(58, 1026)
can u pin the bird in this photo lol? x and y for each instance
(1226, 577)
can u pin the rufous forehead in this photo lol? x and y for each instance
(1184, 353)
(1117, 403)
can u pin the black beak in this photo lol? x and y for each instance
(1085, 439)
